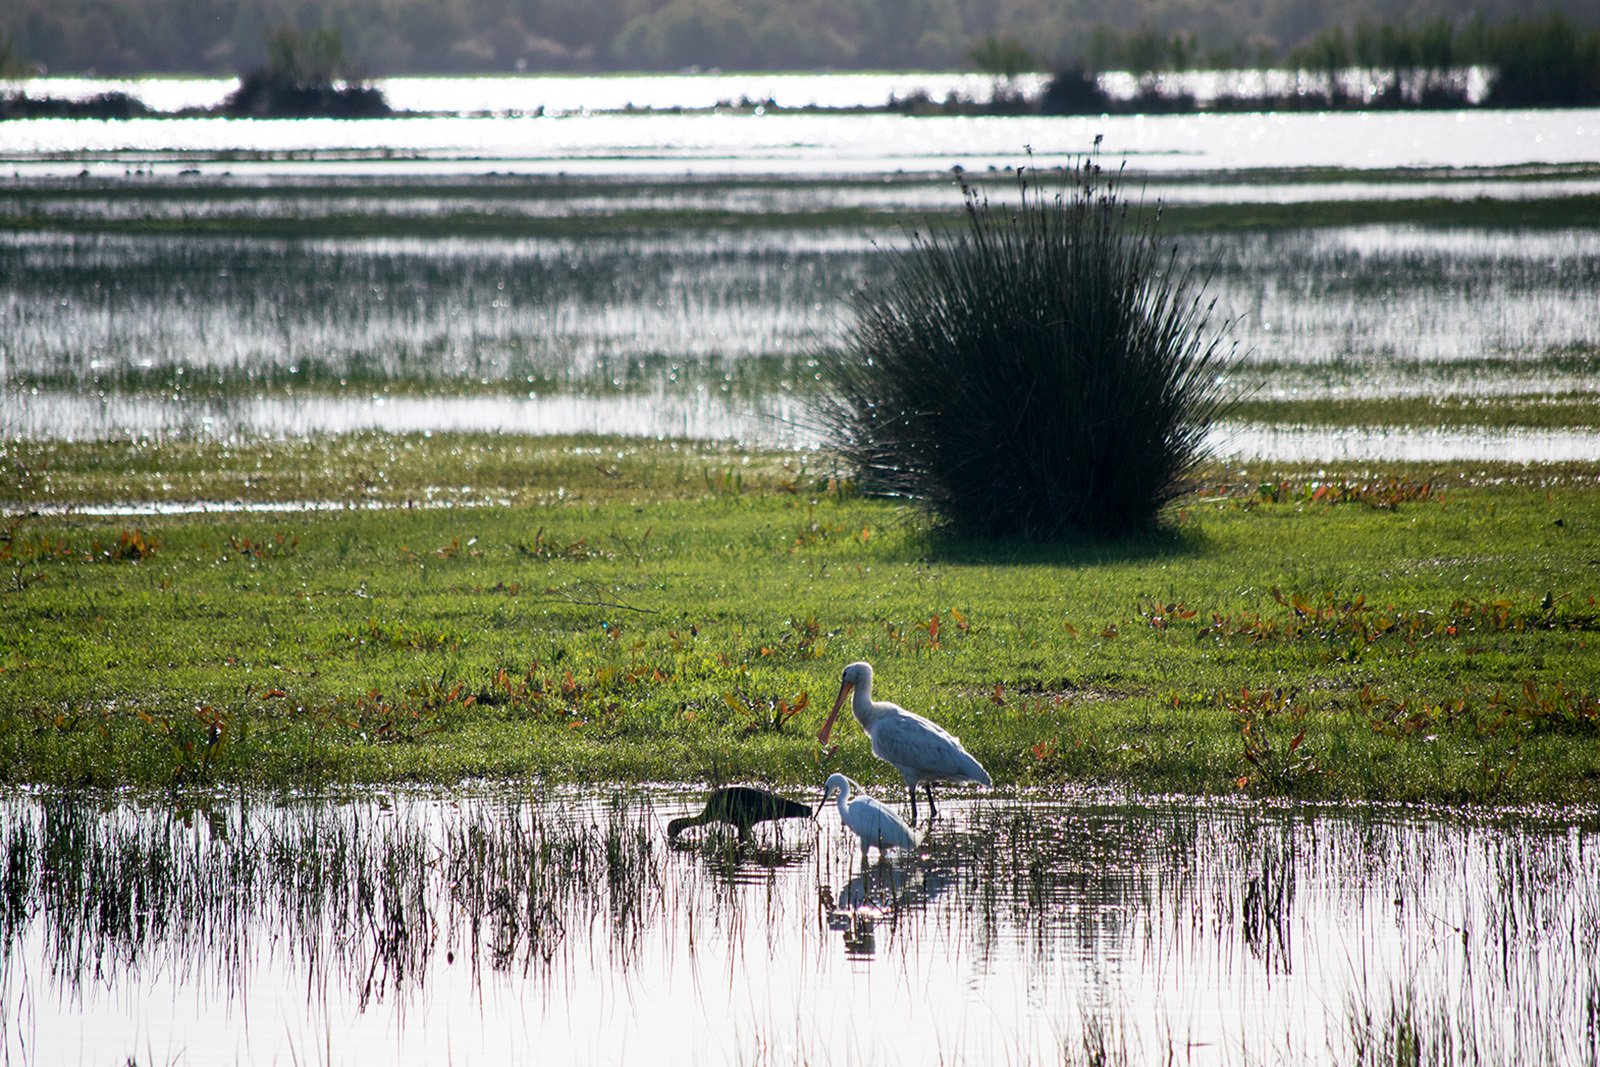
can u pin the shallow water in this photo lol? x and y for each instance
(1403, 444)
(701, 414)
(578, 93)
(688, 333)
(411, 928)
(1355, 310)
(788, 144)
(710, 330)
(562, 94)
(778, 421)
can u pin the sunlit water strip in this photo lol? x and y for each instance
(560, 94)
(579, 93)
(1361, 444)
(797, 144)
(51, 415)
(778, 421)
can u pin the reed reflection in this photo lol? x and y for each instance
(1221, 922)
(882, 892)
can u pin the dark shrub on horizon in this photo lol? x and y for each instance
(101, 106)
(1047, 372)
(261, 95)
(306, 76)
(1073, 91)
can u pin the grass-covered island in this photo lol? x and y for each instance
(436, 608)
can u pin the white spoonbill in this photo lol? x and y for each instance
(869, 819)
(922, 751)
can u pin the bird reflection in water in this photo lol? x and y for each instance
(881, 892)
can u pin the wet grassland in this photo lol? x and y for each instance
(291, 607)
(492, 606)
(1389, 298)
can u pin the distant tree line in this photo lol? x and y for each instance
(391, 37)
(1535, 61)
(305, 75)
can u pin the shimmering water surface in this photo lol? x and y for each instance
(491, 927)
(795, 144)
(568, 94)
(498, 121)
(711, 328)
(713, 334)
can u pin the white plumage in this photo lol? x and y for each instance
(868, 818)
(922, 751)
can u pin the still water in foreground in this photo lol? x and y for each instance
(502, 925)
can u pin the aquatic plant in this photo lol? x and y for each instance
(348, 906)
(1273, 766)
(1049, 372)
(365, 891)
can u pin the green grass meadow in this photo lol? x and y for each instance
(488, 606)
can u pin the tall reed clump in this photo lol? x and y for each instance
(1047, 371)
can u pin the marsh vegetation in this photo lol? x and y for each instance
(1077, 927)
(324, 733)
(283, 310)
(1046, 371)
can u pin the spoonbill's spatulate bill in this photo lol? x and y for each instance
(868, 818)
(922, 751)
(741, 806)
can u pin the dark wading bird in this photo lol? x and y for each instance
(742, 807)
(922, 751)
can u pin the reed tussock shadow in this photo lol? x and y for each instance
(1163, 543)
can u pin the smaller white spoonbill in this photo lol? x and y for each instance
(869, 819)
(922, 751)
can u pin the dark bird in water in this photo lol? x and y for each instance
(742, 807)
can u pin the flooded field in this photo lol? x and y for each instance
(503, 924)
(692, 333)
(582, 268)
(532, 266)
